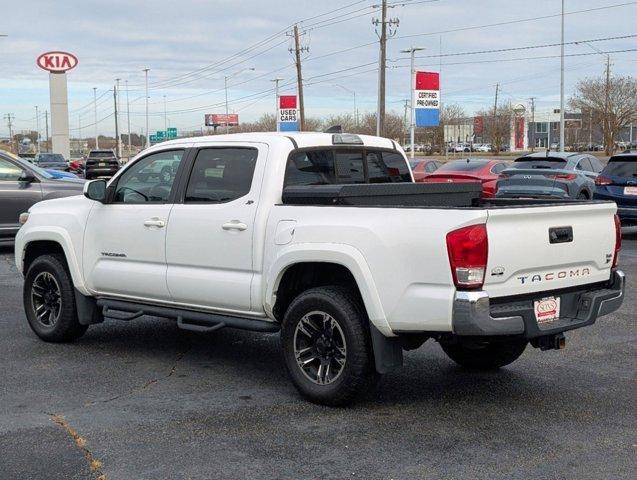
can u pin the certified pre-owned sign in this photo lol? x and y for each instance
(57, 62)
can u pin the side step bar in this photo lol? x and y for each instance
(186, 319)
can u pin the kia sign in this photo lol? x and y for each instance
(57, 62)
(426, 99)
(288, 114)
(221, 119)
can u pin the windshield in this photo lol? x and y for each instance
(621, 167)
(103, 154)
(549, 162)
(51, 158)
(463, 166)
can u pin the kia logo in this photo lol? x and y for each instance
(57, 62)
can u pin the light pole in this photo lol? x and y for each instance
(562, 84)
(225, 85)
(412, 79)
(37, 128)
(276, 101)
(146, 81)
(127, 117)
(165, 119)
(354, 95)
(97, 143)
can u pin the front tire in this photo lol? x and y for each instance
(327, 346)
(485, 355)
(49, 300)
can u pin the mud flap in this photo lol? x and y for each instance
(88, 312)
(388, 352)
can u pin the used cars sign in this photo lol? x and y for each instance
(57, 62)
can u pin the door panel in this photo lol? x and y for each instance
(15, 197)
(125, 240)
(209, 242)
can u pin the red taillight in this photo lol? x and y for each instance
(468, 249)
(618, 240)
(603, 181)
(562, 176)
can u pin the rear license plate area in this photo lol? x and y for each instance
(546, 310)
(630, 190)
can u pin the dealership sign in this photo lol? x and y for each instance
(221, 119)
(287, 120)
(57, 62)
(426, 99)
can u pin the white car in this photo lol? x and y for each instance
(486, 147)
(327, 240)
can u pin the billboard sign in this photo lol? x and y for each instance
(426, 99)
(287, 120)
(57, 62)
(221, 119)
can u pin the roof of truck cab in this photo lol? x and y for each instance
(295, 139)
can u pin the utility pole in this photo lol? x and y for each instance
(412, 87)
(609, 148)
(147, 133)
(37, 129)
(495, 118)
(79, 124)
(165, 119)
(533, 128)
(9, 117)
(276, 101)
(116, 125)
(562, 85)
(299, 75)
(46, 126)
(382, 36)
(225, 87)
(97, 143)
(127, 118)
(117, 110)
(405, 128)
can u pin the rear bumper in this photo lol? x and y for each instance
(474, 314)
(101, 171)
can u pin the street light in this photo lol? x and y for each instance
(354, 94)
(225, 85)
(562, 84)
(412, 125)
(146, 81)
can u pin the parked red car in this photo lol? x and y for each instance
(422, 168)
(470, 170)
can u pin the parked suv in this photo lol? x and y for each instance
(51, 161)
(101, 163)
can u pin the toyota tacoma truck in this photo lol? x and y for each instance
(326, 239)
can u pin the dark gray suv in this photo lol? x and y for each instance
(23, 184)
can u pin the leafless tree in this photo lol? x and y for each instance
(497, 125)
(613, 100)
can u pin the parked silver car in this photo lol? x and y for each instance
(550, 174)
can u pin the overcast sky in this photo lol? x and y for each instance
(189, 46)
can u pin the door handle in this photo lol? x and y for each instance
(234, 225)
(155, 222)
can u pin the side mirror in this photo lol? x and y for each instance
(95, 190)
(27, 177)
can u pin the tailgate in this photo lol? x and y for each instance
(522, 259)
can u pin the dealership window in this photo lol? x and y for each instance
(541, 127)
(221, 175)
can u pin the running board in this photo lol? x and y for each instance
(186, 319)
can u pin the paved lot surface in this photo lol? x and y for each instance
(144, 400)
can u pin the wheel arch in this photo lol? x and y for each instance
(311, 266)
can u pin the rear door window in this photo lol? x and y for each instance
(585, 165)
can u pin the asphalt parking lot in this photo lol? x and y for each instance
(145, 400)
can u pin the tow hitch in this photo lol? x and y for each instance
(550, 342)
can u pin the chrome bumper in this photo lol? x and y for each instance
(474, 315)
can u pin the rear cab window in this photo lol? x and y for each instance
(328, 166)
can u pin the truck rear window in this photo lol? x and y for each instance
(334, 166)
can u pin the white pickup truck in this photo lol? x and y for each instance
(325, 238)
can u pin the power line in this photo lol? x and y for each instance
(510, 22)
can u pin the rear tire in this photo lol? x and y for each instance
(582, 196)
(49, 300)
(327, 346)
(485, 356)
